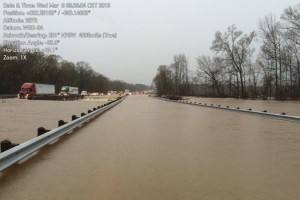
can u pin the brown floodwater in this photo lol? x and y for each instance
(19, 118)
(146, 148)
(288, 107)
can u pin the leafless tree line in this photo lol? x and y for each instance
(52, 69)
(236, 70)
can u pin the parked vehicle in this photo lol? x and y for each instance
(36, 89)
(68, 90)
(84, 92)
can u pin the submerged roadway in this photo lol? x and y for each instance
(146, 148)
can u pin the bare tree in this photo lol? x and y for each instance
(236, 49)
(254, 74)
(291, 16)
(180, 72)
(208, 68)
(271, 34)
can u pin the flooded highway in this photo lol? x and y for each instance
(288, 107)
(19, 119)
(145, 148)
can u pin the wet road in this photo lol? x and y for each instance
(151, 149)
(20, 118)
(288, 107)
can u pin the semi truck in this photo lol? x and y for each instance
(68, 90)
(126, 92)
(29, 90)
(38, 91)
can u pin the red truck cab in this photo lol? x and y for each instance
(27, 90)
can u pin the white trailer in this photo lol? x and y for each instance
(43, 89)
(126, 92)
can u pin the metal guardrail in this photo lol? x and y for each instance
(16, 154)
(264, 113)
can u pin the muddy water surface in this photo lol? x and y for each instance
(151, 149)
(288, 107)
(19, 118)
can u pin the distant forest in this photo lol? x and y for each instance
(51, 69)
(236, 70)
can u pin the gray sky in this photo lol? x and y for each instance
(151, 32)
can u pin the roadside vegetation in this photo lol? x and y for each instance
(52, 69)
(236, 69)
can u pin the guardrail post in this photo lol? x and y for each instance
(82, 114)
(41, 131)
(89, 111)
(61, 122)
(74, 117)
(6, 144)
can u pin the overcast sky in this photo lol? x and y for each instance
(151, 32)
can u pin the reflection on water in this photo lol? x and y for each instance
(150, 149)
